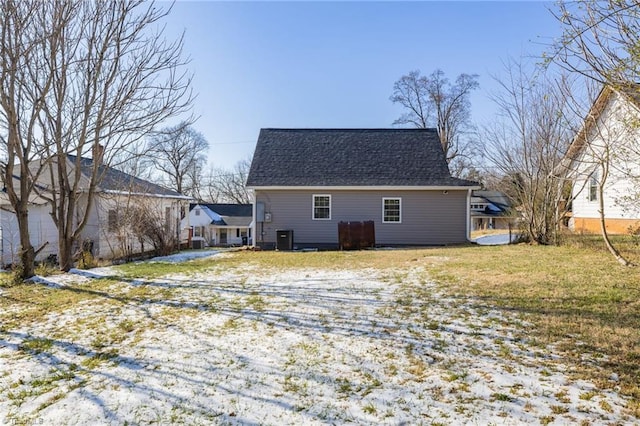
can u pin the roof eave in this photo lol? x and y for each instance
(146, 194)
(367, 188)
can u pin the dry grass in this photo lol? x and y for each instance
(28, 303)
(331, 260)
(578, 298)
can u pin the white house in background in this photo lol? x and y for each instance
(103, 234)
(42, 230)
(611, 126)
(490, 210)
(220, 224)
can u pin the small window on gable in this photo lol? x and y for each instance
(593, 187)
(112, 220)
(197, 212)
(391, 210)
(322, 207)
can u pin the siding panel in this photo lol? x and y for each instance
(428, 217)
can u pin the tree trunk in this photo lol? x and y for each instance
(605, 235)
(65, 252)
(27, 251)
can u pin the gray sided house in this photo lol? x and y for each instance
(309, 180)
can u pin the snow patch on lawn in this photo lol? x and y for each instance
(185, 256)
(300, 346)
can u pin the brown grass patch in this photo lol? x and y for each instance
(579, 298)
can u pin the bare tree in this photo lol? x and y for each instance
(95, 77)
(600, 156)
(527, 145)
(208, 191)
(140, 224)
(148, 225)
(229, 186)
(27, 32)
(179, 153)
(432, 101)
(600, 41)
(134, 160)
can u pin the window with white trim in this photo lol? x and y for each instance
(391, 210)
(593, 187)
(321, 207)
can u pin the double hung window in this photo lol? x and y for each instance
(391, 210)
(322, 207)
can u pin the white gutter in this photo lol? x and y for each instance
(365, 188)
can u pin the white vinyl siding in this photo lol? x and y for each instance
(618, 187)
(321, 207)
(391, 210)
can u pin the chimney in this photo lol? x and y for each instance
(98, 154)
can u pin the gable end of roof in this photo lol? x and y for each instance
(349, 157)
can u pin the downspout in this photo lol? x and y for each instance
(469, 214)
(254, 211)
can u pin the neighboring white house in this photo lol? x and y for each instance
(490, 210)
(220, 224)
(42, 230)
(106, 233)
(607, 148)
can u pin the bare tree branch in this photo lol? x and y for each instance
(526, 146)
(179, 153)
(434, 102)
(81, 79)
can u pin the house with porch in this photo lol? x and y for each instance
(220, 224)
(491, 210)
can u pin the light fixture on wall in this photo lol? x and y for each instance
(445, 192)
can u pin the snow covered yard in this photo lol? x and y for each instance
(293, 345)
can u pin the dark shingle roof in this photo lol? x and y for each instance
(239, 210)
(115, 180)
(496, 198)
(350, 157)
(239, 215)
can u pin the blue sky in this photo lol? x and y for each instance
(333, 64)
